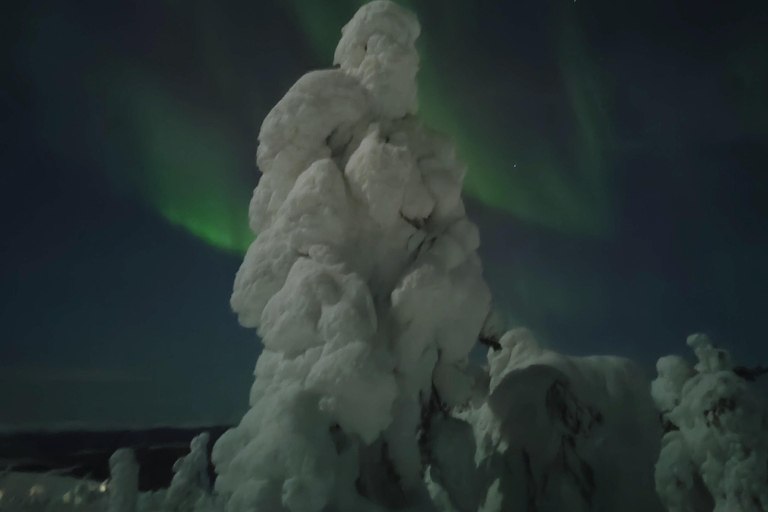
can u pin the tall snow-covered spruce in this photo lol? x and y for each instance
(367, 291)
(364, 285)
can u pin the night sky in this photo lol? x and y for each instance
(617, 169)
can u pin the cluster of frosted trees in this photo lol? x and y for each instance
(367, 291)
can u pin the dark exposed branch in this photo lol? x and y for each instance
(562, 405)
(489, 341)
(531, 490)
(750, 374)
(722, 406)
(434, 408)
(389, 465)
(416, 223)
(666, 424)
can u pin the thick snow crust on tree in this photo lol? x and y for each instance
(714, 456)
(124, 483)
(363, 282)
(190, 484)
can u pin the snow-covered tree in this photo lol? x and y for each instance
(363, 283)
(190, 481)
(714, 456)
(124, 481)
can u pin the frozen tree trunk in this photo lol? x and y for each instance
(124, 481)
(364, 285)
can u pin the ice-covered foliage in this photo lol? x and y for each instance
(714, 456)
(363, 282)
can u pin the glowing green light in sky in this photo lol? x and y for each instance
(186, 167)
(187, 170)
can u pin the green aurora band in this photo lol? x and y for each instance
(184, 157)
(186, 161)
(188, 174)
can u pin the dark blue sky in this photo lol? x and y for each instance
(110, 314)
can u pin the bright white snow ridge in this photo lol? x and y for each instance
(366, 288)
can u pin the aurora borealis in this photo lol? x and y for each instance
(157, 144)
(186, 173)
(615, 168)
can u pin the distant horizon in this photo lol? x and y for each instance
(84, 427)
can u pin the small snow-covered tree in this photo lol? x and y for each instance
(124, 481)
(714, 455)
(190, 481)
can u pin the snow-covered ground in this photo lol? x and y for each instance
(47, 492)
